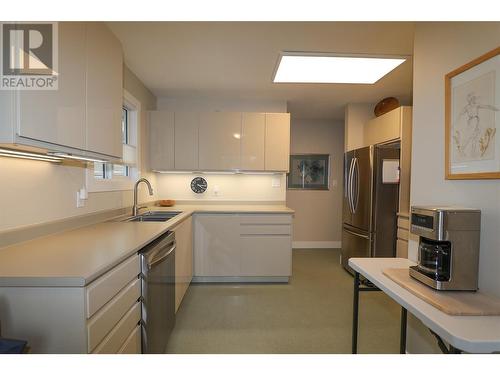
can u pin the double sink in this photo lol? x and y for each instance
(153, 216)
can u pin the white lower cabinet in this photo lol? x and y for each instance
(183, 259)
(118, 336)
(265, 255)
(133, 343)
(102, 317)
(248, 247)
(116, 296)
(216, 250)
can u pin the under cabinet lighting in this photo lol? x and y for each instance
(294, 67)
(234, 172)
(28, 155)
(77, 157)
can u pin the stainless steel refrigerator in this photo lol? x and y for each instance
(370, 205)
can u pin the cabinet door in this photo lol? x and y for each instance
(219, 139)
(265, 245)
(104, 90)
(405, 162)
(183, 259)
(161, 140)
(186, 141)
(59, 116)
(216, 245)
(266, 255)
(277, 144)
(253, 130)
(383, 128)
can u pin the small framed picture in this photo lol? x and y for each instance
(472, 118)
(309, 172)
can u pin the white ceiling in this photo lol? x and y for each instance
(237, 59)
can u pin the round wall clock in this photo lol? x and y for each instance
(199, 185)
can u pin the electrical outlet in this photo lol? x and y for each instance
(276, 182)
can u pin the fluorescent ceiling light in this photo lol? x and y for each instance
(28, 155)
(77, 157)
(325, 68)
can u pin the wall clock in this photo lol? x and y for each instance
(199, 185)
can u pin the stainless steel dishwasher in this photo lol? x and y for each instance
(158, 293)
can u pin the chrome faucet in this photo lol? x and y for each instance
(135, 208)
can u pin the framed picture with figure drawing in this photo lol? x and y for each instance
(472, 119)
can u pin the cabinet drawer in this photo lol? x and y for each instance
(104, 288)
(265, 219)
(106, 318)
(266, 256)
(119, 334)
(133, 343)
(265, 229)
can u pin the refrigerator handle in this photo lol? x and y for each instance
(349, 186)
(356, 169)
(357, 234)
(353, 185)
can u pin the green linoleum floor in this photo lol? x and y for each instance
(311, 314)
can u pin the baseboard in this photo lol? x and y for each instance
(240, 279)
(316, 244)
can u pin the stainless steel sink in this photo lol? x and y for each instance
(154, 216)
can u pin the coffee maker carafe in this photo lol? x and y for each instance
(448, 250)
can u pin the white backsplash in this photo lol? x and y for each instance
(223, 187)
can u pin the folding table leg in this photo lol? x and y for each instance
(402, 342)
(355, 310)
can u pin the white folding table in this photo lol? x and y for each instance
(471, 334)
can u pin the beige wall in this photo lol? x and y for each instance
(33, 192)
(229, 187)
(318, 214)
(440, 48)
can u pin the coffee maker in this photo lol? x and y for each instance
(448, 250)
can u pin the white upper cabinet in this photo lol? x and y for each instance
(384, 128)
(219, 141)
(104, 90)
(161, 141)
(186, 141)
(58, 116)
(83, 116)
(277, 142)
(253, 131)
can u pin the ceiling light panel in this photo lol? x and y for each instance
(304, 68)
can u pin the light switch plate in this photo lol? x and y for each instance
(80, 202)
(217, 191)
(276, 182)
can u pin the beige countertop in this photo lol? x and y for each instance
(77, 257)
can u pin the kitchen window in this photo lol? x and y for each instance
(109, 176)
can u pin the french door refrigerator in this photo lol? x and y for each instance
(370, 206)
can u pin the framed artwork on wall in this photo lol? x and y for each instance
(309, 172)
(472, 119)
